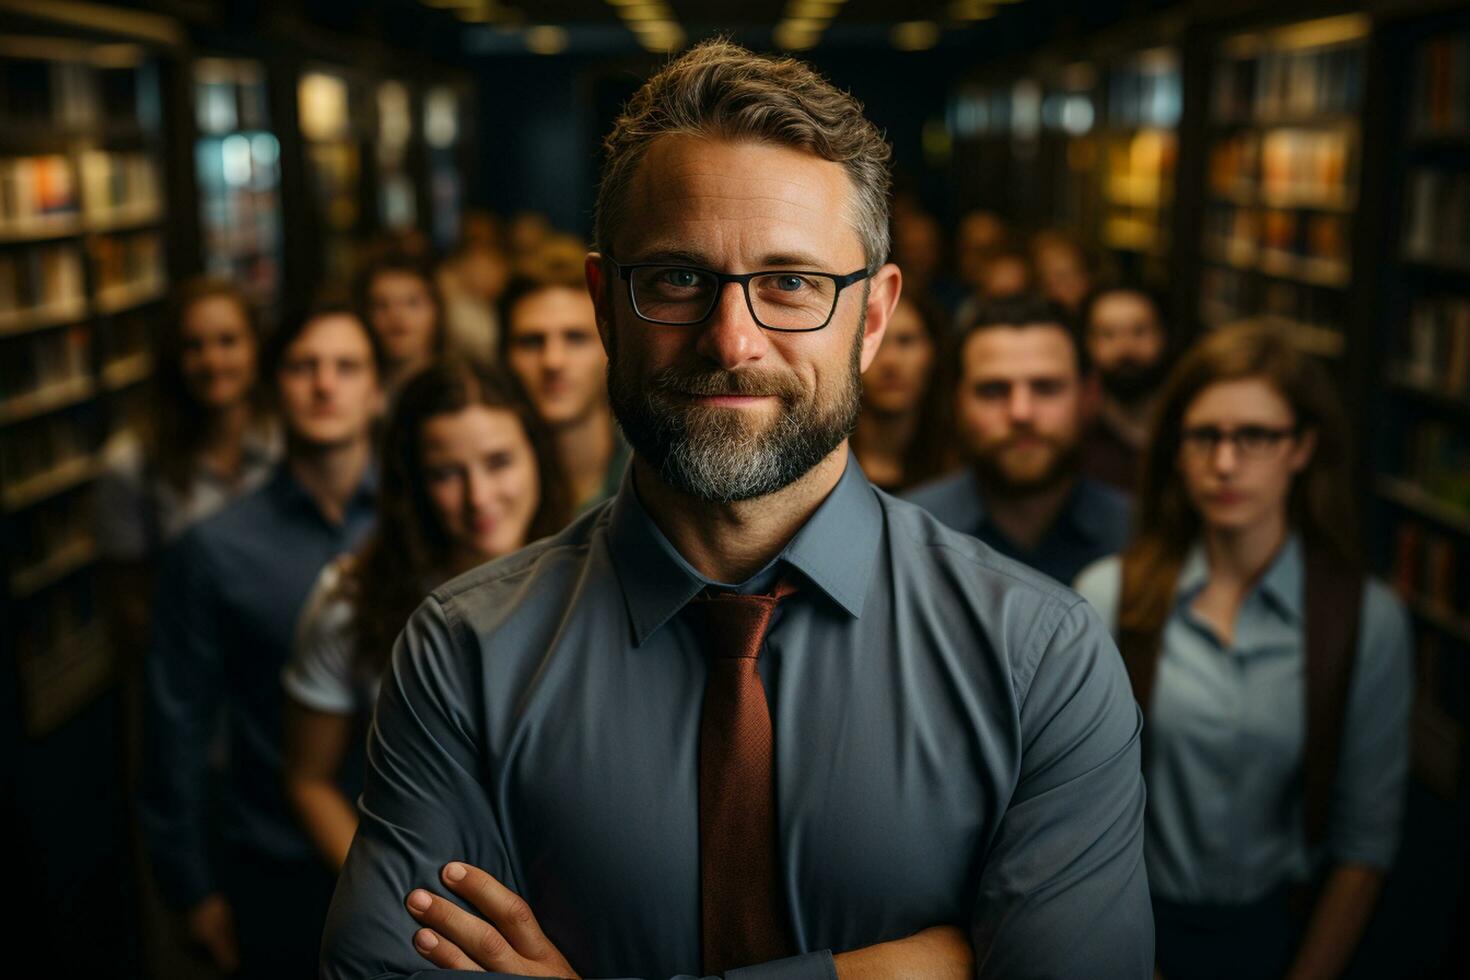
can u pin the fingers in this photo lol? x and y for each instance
(443, 953)
(506, 910)
(472, 937)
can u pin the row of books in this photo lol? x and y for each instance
(125, 262)
(229, 95)
(1292, 84)
(1230, 294)
(1438, 345)
(1438, 462)
(46, 277)
(35, 188)
(47, 444)
(38, 189)
(56, 617)
(1437, 217)
(52, 530)
(1441, 93)
(114, 183)
(45, 360)
(1311, 246)
(1147, 92)
(1286, 167)
(1428, 564)
(50, 92)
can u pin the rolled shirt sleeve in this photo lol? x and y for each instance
(320, 674)
(1368, 795)
(1063, 892)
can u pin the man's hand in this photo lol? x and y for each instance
(211, 924)
(507, 940)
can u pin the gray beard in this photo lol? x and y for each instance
(714, 454)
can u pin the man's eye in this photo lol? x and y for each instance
(681, 278)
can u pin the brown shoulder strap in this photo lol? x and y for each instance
(1334, 596)
(1140, 650)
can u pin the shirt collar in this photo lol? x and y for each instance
(289, 492)
(1281, 585)
(1084, 510)
(835, 550)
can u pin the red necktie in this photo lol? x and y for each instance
(743, 911)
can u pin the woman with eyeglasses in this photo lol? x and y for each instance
(469, 475)
(1274, 677)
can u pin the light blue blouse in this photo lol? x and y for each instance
(1226, 730)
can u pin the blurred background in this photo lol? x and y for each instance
(1307, 162)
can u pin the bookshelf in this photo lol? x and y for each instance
(331, 115)
(444, 139)
(1140, 150)
(237, 169)
(1282, 155)
(1422, 497)
(82, 271)
(1070, 150)
(397, 197)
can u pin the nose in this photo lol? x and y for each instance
(324, 378)
(554, 355)
(1020, 404)
(478, 487)
(1226, 457)
(730, 336)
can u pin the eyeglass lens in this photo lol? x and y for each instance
(780, 300)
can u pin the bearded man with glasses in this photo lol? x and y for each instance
(752, 717)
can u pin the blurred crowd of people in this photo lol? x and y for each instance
(299, 493)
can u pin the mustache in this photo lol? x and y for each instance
(687, 381)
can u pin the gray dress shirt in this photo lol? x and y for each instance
(1226, 729)
(955, 738)
(1093, 524)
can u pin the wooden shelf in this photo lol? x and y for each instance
(64, 678)
(1414, 498)
(1441, 617)
(1440, 266)
(43, 317)
(117, 299)
(1400, 381)
(47, 399)
(41, 229)
(126, 218)
(58, 479)
(73, 557)
(127, 370)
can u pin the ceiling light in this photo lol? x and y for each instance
(914, 35)
(546, 39)
(795, 35)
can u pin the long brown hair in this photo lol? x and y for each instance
(931, 452)
(1319, 506)
(178, 422)
(387, 581)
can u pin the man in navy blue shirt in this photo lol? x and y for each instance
(1020, 402)
(228, 596)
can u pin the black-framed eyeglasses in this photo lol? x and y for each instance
(785, 300)
(1249, 441)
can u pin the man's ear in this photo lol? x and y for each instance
(598, 281)
(1306, 447)
(884, 288)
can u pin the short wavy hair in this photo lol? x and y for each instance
(720, 90)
